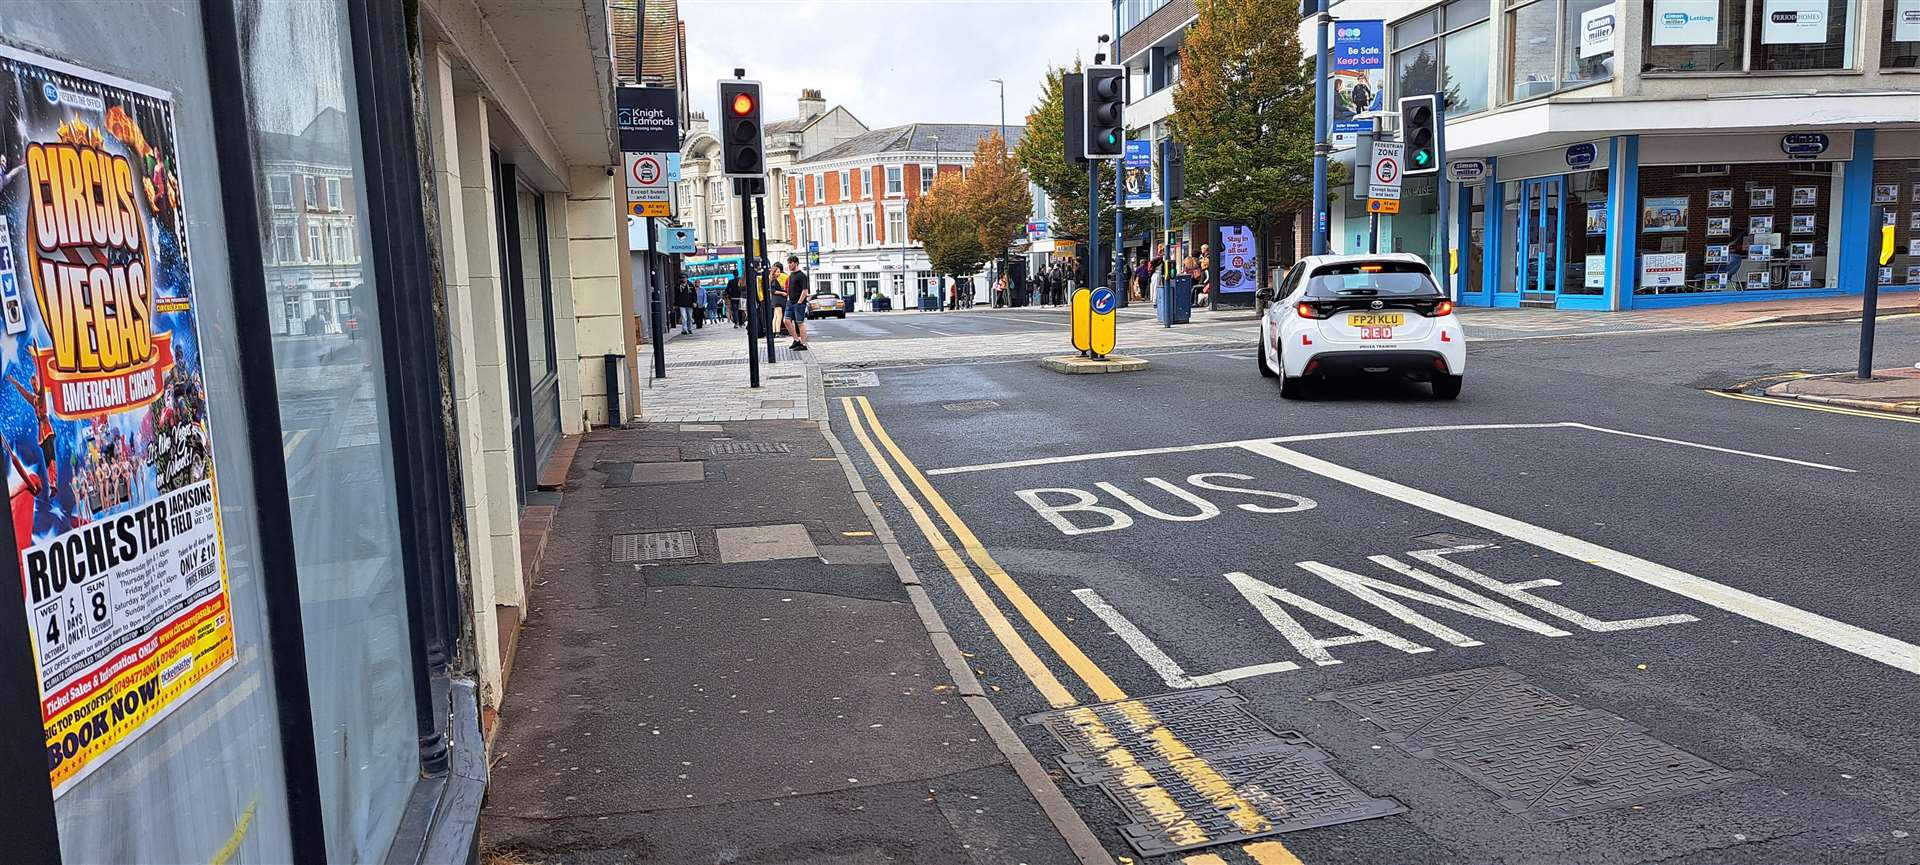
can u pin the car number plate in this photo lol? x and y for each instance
(1376, 319)
(1376, 333)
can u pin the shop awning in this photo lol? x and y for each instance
(1561, 121)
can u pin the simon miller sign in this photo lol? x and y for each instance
(649, 120)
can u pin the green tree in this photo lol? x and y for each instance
(940, 222)
(1244, 108)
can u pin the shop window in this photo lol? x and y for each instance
(1896, 196)
(1554, 45)
(1585, 235)
(299, 74)
(1900, 35)
(1780, 35)
(870, 284)
(1740, 227)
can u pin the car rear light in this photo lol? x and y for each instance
(1308, 310)
(1444, 307)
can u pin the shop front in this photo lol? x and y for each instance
(1637, 222)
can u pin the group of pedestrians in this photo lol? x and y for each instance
(790, 290)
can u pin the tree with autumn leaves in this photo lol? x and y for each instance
(967, 219)
(1042, 151)
(1244, 109)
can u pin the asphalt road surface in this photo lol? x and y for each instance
(1594, 612)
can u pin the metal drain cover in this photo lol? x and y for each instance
(851, 379)
(655, 546)
(1193, 769)
(1545, 757)
(736, 449)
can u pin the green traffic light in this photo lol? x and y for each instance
(1422, 157)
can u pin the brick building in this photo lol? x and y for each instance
(852, 200)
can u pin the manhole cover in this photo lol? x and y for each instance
(1545, 757)
(654, 546)
(970, 405)
(1193, 769)
(735, 449)
(851, 379)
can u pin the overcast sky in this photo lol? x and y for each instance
(890, 61)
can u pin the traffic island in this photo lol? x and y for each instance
(1076, 364)
(1894, 390)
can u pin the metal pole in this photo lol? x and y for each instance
(1870, 297)
(1166, 239)
(1119, 284)
(1093, 223)
(1440, 184)
(659, 310)
(1321, 146)
(765, 280)
(1373, 232)
(747, 281)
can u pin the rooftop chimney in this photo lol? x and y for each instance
(812, 104)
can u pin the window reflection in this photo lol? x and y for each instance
(335, 432)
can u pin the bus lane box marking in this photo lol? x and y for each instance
(1281, 774)
(1545, 757)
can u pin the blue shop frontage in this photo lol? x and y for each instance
(1650, 221)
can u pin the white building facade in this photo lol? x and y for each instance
(705, 196)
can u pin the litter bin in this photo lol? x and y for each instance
(929, 302)
(1175, 304)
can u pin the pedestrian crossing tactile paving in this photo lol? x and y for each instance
(1194, 769)
(1545, 757)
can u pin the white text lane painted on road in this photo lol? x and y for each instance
(1084, 502)
(1342, 434)
(1860, 641)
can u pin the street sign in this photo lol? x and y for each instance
(1383, 205)
(813, 253)
(1036, 230)
(1359, 44)
(648, 119)
(1582, 155)
(1383, 182)
(676, 240)
(648, 193)
(1104, 322)
(1804, 145)
(1466, 170)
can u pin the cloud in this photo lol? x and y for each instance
(891, 61)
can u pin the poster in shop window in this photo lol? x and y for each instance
(1685, 22)
(1793, 22)
(1913, 274)
(1886, 276)
(1760, 196)
(1906, 28)
(1803, 223)
(1719, 199)
(1806, 196)
(110, 466)
(1719, 226)
(1887, 193)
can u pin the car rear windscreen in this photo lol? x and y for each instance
(1372, 279)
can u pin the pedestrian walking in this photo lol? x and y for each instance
(799, 291)
(737, 301)
(683, 301)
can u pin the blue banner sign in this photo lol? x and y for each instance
(1359, 45)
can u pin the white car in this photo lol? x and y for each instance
(1373, 314)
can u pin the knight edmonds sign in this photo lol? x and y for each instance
(649, 120)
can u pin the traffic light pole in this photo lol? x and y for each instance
(1870, 296)
(747, 281)
(1440, 188)
(765, 280)
(1321, 146)
(658, 296)
(1093, 223)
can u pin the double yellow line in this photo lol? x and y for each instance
(1197, 772)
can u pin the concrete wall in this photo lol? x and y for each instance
(595, 248)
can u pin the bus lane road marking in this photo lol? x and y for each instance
(1895, 653)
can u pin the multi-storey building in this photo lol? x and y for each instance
(1647, 153)
(706, 197)
(314, 225)
(851, 201)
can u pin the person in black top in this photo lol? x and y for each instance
(736, 301)
(684, 298)
(799, 291)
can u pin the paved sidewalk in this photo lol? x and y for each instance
(729, 660)
(707, 380)
(1894, 390)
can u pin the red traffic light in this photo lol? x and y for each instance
(742, 104)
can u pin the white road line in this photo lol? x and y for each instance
(1170, 670)
(1208, 446)
(1860, 641)
(1708, 447)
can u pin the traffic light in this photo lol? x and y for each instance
(1176, 180)
(1106, 98)
(742, 145)
(1420, 130)
(1074, 117)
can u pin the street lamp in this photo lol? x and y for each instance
(1003, 108)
